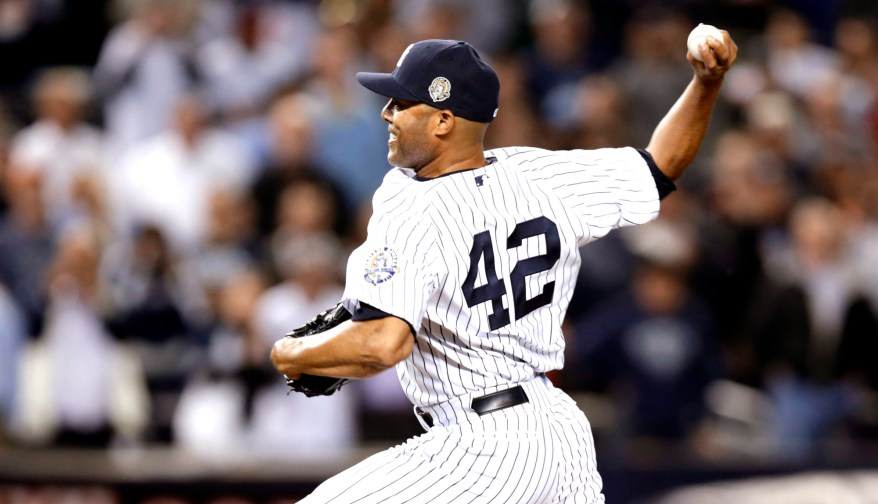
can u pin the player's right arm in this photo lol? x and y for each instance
(678, 136)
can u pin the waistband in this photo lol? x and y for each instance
(470, 407)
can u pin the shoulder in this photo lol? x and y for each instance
(578, 163)
(403, 205)
(536, 156)
(399, 185)
(528, 160)
(36, 133)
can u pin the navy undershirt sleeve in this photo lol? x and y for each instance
(368, 312)
(664, 185)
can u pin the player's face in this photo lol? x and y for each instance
(408, 145)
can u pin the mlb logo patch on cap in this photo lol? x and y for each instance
(440, 89)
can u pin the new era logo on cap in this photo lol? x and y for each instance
(447, 74)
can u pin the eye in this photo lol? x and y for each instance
(397, 104)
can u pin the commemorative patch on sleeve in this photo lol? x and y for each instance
(381, 265)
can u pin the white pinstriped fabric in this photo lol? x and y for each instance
(538, 452)
(482, 263)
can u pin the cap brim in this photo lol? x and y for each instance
(385, 85)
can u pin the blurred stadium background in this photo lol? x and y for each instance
(182, 181)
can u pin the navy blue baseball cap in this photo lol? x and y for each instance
(446, 74)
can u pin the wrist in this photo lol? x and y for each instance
(709, 80)
(707, 87)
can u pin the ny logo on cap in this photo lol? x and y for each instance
(440, 89)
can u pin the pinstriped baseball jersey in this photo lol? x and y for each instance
(482, 263)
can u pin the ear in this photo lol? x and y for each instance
(444, 122)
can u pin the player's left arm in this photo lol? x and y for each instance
(353, 349)
(678, 136)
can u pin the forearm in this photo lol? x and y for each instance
(679, 135)
(350, 350)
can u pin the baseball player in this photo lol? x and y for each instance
(465, 277)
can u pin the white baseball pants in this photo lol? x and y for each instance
(541, 451)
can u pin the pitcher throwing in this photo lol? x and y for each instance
(465, 277)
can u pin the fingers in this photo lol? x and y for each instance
(728, 45)
(732, 48)
(712, 52)
(723, 51)
(718, 55)
(694, 62)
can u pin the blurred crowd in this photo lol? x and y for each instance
(182, 181)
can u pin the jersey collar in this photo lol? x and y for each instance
(491, 160)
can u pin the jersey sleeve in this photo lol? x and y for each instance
(394, 270)
(604, 189)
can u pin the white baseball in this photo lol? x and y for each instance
(699, 34)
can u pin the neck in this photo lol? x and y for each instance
(454, 161)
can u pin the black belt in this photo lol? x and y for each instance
(488, 403)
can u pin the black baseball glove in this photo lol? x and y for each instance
(311, 385)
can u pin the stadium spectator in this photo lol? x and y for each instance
(231, 245)
(27, 244)
(345, 110)
(799, 324)
(159, 309)
(268, 46)
(145, 66)
(559, 56)
(653, 348)
(167, 179)
(60, 146)
(103, 397)
(291, 158)
(309, 264)
(236, 403)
